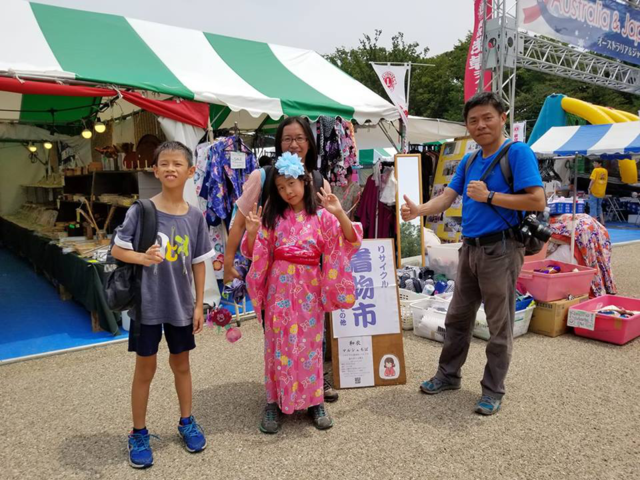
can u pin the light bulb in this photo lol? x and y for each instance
(48, 145)
(100, 127)
(32, 148)
(86, 133)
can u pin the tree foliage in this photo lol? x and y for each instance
(438, 91)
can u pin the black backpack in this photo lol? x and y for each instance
(123, 283)
(267, 172)
(532, 245)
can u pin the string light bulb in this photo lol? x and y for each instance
(86, 133)
(48, 145)
(32, 148)
(100, 127)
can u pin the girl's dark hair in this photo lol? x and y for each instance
(390, 359)
(311, 160)
(275, 205)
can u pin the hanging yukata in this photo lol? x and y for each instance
(287, 283)
(337, 148)
(593, 244)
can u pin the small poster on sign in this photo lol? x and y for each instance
(238, 160)
(356, 362)
(582, 319)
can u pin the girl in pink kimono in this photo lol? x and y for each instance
(292, 292)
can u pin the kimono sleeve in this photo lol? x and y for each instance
(257, 278)
(126, 233)
(338, 289)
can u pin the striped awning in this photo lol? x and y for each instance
(616, 139)
(47, 42)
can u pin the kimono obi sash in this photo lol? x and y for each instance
(297, 255)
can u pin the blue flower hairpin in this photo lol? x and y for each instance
(289, 165)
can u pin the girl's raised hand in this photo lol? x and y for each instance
(253, 220)
(330, 202)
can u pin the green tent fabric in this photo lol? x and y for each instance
(47, 42)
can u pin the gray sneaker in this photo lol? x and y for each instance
(270, 419)
(435, 385)
(321, 418)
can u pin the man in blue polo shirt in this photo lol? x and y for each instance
(491, 254)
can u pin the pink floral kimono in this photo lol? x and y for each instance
(286, 282)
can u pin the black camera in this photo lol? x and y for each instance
(531, 226)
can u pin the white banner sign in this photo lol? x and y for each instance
(356, 362)
(519, 131)
(392, 78)
(376, 309)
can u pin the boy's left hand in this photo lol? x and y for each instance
(198, 320)
(330, 202)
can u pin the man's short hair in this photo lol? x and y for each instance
(173, 147)
(484, 98)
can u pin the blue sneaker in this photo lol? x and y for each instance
(488, 405)
(140, 454)
(193, 436)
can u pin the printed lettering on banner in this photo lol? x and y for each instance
(376, 309)
(582, 319)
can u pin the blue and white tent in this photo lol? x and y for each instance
(616, 140)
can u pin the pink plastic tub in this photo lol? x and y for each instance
(549, 288)
(607, 328)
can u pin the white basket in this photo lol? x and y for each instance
(520, 325)
(407, 297)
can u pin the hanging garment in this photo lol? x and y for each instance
(348, 197)
(336, 147)
(594, 246)
(222, 185)
(372, 212)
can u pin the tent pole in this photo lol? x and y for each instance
(573, 216)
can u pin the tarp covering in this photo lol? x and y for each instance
(615, 140)
(60, 43)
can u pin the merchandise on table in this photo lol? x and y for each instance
(562, 205)
(610, 328)
(550, 318)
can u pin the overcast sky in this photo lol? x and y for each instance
(320, 25)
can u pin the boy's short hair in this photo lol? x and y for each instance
(173, 147)
(484, 98)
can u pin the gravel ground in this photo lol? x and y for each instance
(571, 411)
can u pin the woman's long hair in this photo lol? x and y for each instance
(275, 206)
(311, 159)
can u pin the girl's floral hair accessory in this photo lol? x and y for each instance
(290, 165)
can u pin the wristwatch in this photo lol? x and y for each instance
(490, 197)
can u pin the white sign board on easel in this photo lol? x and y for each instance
(376, 309)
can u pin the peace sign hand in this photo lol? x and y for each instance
(330, 202)
(254, 220)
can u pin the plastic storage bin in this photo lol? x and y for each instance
(429, 315)
(520, 325)
(549, 288)
(444, 259)
(407, 297)
(607, 328)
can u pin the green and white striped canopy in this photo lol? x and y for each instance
(42, 41)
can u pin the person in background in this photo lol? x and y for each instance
(265, 161)
(294, 135)
(597, 190)
(492, 251)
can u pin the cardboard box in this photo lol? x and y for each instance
(550, 318)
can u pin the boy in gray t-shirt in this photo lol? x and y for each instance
(170, 267)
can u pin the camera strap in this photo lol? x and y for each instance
(496, 160)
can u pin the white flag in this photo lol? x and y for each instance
(392, 78)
